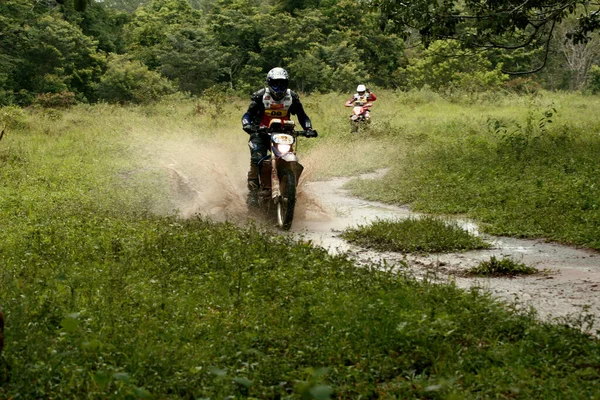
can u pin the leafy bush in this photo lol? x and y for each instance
(127, 81)
(445, 66)
(593, 83)
(12, 117)
(63, 99)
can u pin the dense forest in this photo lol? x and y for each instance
(58, 52)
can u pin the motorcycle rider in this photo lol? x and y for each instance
(363, 95)
(273, 101)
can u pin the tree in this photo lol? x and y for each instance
(191, 58)
(56, 56)
(499, 24)
(578, 57)
(128, 81)
(152, 24)
(444, 65)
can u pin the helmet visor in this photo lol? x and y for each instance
(278, 85)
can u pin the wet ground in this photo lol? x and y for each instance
(567, 285)
(569, 279)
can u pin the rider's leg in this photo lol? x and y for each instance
(258, 150)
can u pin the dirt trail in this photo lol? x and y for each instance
(570, 285)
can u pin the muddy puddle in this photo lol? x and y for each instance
(568, 283)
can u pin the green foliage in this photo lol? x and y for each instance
(445, 66)
(593, 83)
(127, 81)
(13, 118)
(59, 57)
(192, 59)
(55, 100)
(425, 234)
(503, 267)
(152, 25)
(109, 296)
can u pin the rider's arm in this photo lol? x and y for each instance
(255, 109)
(297, 109)
(350, 102)
(372, 96)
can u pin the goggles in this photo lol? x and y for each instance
(278, 85)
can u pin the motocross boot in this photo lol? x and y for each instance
(252, 199)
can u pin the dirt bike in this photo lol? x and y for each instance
(280, 171)
(359, 115)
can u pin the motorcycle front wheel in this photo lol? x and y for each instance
(287, 201)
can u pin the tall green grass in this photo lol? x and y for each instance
(109, 294)
(526, 169)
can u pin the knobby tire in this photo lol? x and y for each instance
(287, 202)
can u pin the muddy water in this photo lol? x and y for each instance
(569, 284)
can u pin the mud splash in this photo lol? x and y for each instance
(209, 179)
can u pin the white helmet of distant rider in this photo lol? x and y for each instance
(361, 89)
(278, 81)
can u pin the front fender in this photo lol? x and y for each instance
(290, 161)
(289, 157)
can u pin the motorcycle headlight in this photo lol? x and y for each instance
(283, 148)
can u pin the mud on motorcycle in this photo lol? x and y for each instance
(279, 172)
(360, 115)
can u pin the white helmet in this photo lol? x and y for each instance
(361, 89)
(278, 80)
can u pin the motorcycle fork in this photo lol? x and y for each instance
(275, 190)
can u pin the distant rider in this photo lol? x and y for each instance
(273, 101)
(362, 96)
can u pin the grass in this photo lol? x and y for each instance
(413, 235)
(109, 293)
(501, 267)
(531, 172)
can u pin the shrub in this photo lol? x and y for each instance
(64, 99)
(12, 117)
(594, 79)
(127, 81)
(445, 66)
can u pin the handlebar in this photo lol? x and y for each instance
(267, 131)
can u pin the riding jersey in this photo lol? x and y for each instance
(357, 98)
(263, 108)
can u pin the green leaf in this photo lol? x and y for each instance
(141, 393)
(69, 323)
(320, 392)
(122, 376)
(93, 344)
(216, 371)
(102, 378)
(247, 383)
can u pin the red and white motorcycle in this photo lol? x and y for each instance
(360, 113)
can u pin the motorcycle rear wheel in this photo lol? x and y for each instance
(287, 201)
